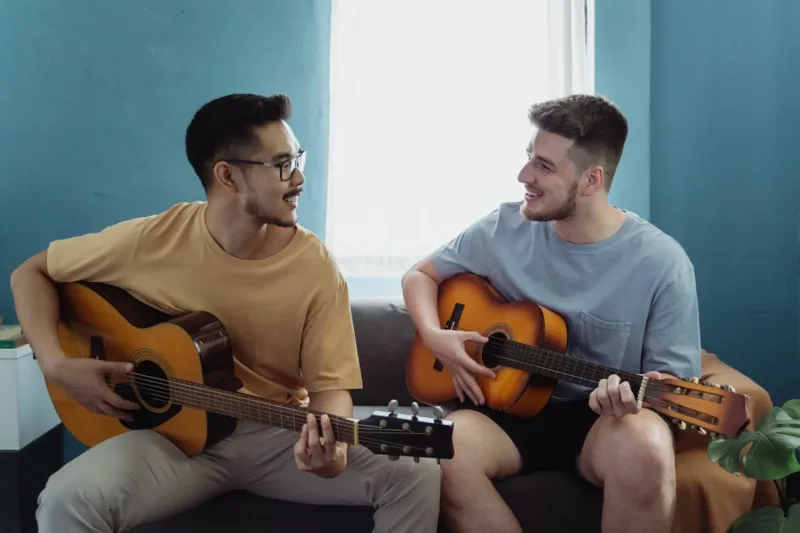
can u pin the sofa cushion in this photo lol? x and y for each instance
(384, 332)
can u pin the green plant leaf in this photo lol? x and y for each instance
(726, 452)
(769, 520)
(774, 453)
(772, 457)
(792, 408)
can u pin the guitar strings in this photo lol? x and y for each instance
(342, 432)
(343, 428)
(655, 401)
(202, 392)
(162, 393)
(521, 353)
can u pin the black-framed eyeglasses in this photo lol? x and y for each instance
(287, 167)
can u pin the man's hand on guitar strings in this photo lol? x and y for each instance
(320, 455)
(612, 398)
(85, 381)
(448, 347)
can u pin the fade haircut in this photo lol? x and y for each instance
(597, 127)
(225, 127)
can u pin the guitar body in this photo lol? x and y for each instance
(104, 322)
(488, 313)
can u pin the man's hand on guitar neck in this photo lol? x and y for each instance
(612, 398)
(448, 347)
(320, 455)
(85, 381)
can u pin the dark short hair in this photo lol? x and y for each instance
(226, 125)
(596, 125)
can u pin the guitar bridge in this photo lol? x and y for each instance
(452, 323)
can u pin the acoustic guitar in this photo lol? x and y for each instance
(183, 379)
(526, 350)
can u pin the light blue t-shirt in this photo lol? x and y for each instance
(629, 301)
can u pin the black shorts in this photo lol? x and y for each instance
(550, 440)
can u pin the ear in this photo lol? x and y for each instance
(595, 179)
(223, 176)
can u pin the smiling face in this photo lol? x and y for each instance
(246, 155)
(263, 179)
(270, 194)
(573, 156)
(551, 179)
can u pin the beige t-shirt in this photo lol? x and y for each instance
(288, 316)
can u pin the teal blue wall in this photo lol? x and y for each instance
(724, 163)
(97, 95)
(622, 72)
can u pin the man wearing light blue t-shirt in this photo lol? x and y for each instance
(627, 293)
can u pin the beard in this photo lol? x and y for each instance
(253, 209)
(559, 212)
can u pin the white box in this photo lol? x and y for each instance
(26, 412)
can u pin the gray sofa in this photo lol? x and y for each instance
(544, 502)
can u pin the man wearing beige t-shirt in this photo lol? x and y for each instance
(241, 256)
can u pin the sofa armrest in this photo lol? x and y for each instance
(708, 495)
(716, 371)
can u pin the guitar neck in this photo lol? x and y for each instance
(556, 365)
(246, 407)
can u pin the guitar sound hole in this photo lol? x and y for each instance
(152, 385)
(495, 350)
(150, 389)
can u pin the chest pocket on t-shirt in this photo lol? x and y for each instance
(600, 341)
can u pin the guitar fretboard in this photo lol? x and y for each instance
(552, 364)
(245, 407)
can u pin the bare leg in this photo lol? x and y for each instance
(483, 452)
(633, 459)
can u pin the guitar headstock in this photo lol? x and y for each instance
(702, 406)
(395, 435)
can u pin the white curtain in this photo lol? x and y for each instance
(428, 117)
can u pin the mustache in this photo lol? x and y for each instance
(294, 192)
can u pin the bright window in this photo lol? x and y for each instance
(429, 122)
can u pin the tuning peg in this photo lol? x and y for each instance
(394, 457)
(702, 431)
(694, 379)
(713, 434)
(680, 423)
(706, 383)
(728, 388)
(414, 410)
(438, 413)
(393, 407)
(716, 385)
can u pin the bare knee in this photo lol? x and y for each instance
(635, 454)
(482, 449)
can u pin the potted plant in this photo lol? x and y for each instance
(773, 450)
